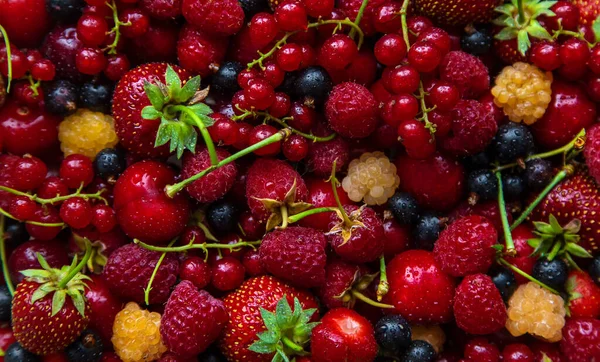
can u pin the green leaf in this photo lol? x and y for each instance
(155, 95)
(39, 294)
(506, 9)
(596, 29)
(78, 301)
(277, 358)
(545, 5)
(542, 227)
(36, 273)
(270, 337)
(534, 243)
(538, 31)
(189, 89)
(507, 34)
(149, 112)
(281, 353)
(173, 82)
(577, 251)
(206, 120)
(262, 347)
(269, 319)
(556, 227)
(283, 312)
(58, 301)
(181, 135)
(42, 261)
(523, 42)
(163, 134)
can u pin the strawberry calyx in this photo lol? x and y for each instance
(179, 109)
(519, 20)
(97, 259)
(287, 331)
(62, 283)
(281, 210)
(356, 291)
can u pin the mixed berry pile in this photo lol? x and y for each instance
(299, 180)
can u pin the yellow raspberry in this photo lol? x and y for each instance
(372, 178)
(136, 335)
(537, 311)
(434, 335)
(523, 91)
(86, 133)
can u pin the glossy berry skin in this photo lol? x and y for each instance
(104, 307)
(295, 148)
(320, 194)
(393, 333)
(480, 349)
(546, 55)
(96, 96)
(552, 273)
(87, 347)
(426, 299)
(76, 170)
(404, 207)
(514, 186)
(76, 212)
(196, 270)
(517, 352)
(61, 46)
(390, 49)
(354, 249)
(477, 42)
(351, 110)
(478, 305)
(259, 93)
(538, 173)
(224, 81)
(222, 216)
(483, 184)
(44, 214)
(263, 29)
(116, 66)
(43, 70)
(313, 83)
(505, 281)
(581, 339)
(419, 351)
(291, 15)
(91, 29)
(61, 97)
(513, 141)
(26, 22)
(416, 139)
(109, 163)
(574, 52)
(200, 52)
(401, 79)
(260, 133)
(337, 52)
(444, 96)
(16, 353)
(424, 56)
(227, 274)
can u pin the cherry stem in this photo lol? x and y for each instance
(359, 16)
(154, 272)
(204, 246)
(172, 190)
(334, 185)
(384, 287)
(212, 152)
(8, 57)
(425, 118)
(295, 218)
(566, 171)
(36, 223)
(510, 244)
(34, 85)
(42, 201)
(525, 275)
(7, 280)
(88, 253)
(403, 12)
(364, 298)
(112, 48)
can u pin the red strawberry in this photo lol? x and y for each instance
(457, 12)
(214, 185)
(351, 110)
(467, 72)
(466, 246)
(271, 186)
(569, 111)
(478, 305)
(296, 255)
(584, 295)
(103, 305)
(245, 307)
(421, 178)
(223, 17)
(143, 209)
(343, 335)
(129, 268)
(508, 51)
(25, 257)
(581, 340)
(49, 310)
(592, 151)
(588, 9)
(523, 259)
(426, 299)
(320, 194)
(192, 320)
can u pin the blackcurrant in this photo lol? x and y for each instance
(476, 41)
(551, 272)
(484, 184)
(225, 79)
(212, 355)
(427, 230)
(512, 141)
(595, 270)
(419, 351)
(404, 208)
(513, 186)
(478, 161)
(393, 334)
(538, 173)
(288, 85)
(96, 96)
(505, 281)
(16, 353)
(222, 216)
(5, 303)
(65, 11)
(109, 163)
(252, 7)
(61, 97)
(87, 348)
(16, 233)
(313, 84)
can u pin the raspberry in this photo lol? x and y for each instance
(351, 110)
(214, 185)
(581, 342)
(371, 177)
(434, 335)
(364, 242)
(478, 305)
(473, 128)
(339, 280)
(592, 152)
(130, 267)
(222, 17)
(467, 72)
(524, 91)
(322, 154)
(136, 335)
(86, 133)
(537, 311)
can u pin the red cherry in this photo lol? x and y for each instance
(92, 29)
(250, 227)
(443, 95)
(252, 263)
(223, 130)
(402, 107)
(416, 139)
(260, 133)
(397, 238)
(424, 56)
(566, 17)
(240, 103)
(245, 76)
(390, 49)
(196, 270)
(260, 94)
(29, 173)
(546, 55)
(43, 70)
(52, 187)
(76, 212)
(417, 25)
(289, 57)
(281, 105)
(47, 215)
(337, 52)
(517, 352)
(479, 349)
(295, 148)
(386, 18)
(104, 218)
(594, 62)
(244, 130)
(574, 52)
(76, 170)
(22, 207)
(291, 16)
(273, 73)
(304, 118)
(19, 62)
(25, 21)
(116, 66)
(227, 274)
(263, 29)
(401, 79)
(438, 37)
(140, 22)
(90, 61)
(104, 307)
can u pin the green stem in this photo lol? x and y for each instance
(291, 345)
(334, 184)
(510, 245)
(284, 216)
(205, 135)
(295, 218)
(112, 48)
(403, 13)
(172, 190)
(566, 171)
(364, 298)
(384, 287)
(8, 57)
(56, 199)
(425, 118)
(154, 272)
(64, 281)
(359, 16)
(521, 19)
(525, 275)
(9, 284)
(37, 223)
(269, 117)
(204, 247)
(33, 85)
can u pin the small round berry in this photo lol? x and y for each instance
(513, 186)
(538, 173)
(223, 130)
(416, 139)
(29, 173)
(140, 22)
(295, 148)
(372, 178)
(25, 95)
(553, 273)
(104, 218)
(438, 37)
(5, 303)
(48, 215)
(137, 334)
(224, 81)
(192, 234)
(196, 270)
(76, 170)
(33, 56)
(260, 94)
(427, 230)
(92, 29)
(424, 56)
(52, 187)
(390, 50)
(273, 73)
(222, 216)
(281, 105)
(291, 16)
(594, 270)
(401, 79)
(337, 52)
(116, 67)
(594, 62)
(386, 19)
(593, 88)
(417, 25)
(260, 133)
(476, 41)
(252, 263)
(419, 351)
(289, 57)
(303, 118)
(96, 96)
(319, 8)
(15, 233)
(90, 61)
(76, 212)
(393, 334)
(313, 84)
(574, 52)
(18, 60)
(243, 135)
(546, 55)
(480, 349)
(483, 184)
(566, 17)
(444, 96)
(109, 163)
(263, 29)
(88, 347)
(404, 207)
(250, 227)
(43, 70)
(505, 281)
(513, 141)
(245, 76)
(22, 207)
(61, 97)
(517, 352)
(227, 274)
(16, 353)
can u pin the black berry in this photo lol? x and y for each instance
(393, 334)
(478, 161)
(96, 96)
(553, 273)
(538, 173)
(476, 41)
(109, 162)
(222, 216)
(65, 11)
(5, 303)
(505, 281)
(595, 270)
(512, 141)
(252, 7)
(61, 97)
(419, 351)
(313, 84)
(87, 348)
(513, 186)
(288, 85)
(427, 230)
(404, 208)
(225, 80)
(484, 184)
(16, 353)
(15, 233)
(212, 355)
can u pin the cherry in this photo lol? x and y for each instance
(594, 62)
(251, 228)
(397, 238)
(574, 52)
(337, 52)
(223, 130)
(417, 25)
(76, 212)
(25, 21)
(295, 148)
(104, 218)
(227, 274)
(43, 70)
(479, 349)
(401, 79)
(263, 29)
(44, 214)
(416, 139)
(289, 57)
(18, 60)
(386, 19)
(260, 94)
(245, 76)
(402, 107)
(92, 29)
(33, 56)
(390, 49)
(25, 257)
(281, 105)
(593, 88)
(243, 137)
(116, 67)
(424, 56)
(140, 22)
(385, 136)
(52, 187)
(318, 8)
(196, 270)
(438, 37)
(517, 352)
(304, 117)
(273, 73)
(29, 173)
(76, 170)
(443, 95)
(22, 207)
(61, 47)
(90, 61)
(567, 17)
(252, 263)
(546, 55)
(291, 16)
(260, 133)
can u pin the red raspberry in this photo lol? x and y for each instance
(222, 17)
(467, 72)
(473, 128)
(351, 110)
(339, 279)
(478, 305)
(192, 320)
(162, 9)
(200, 52)
(128, 270)
(581, 339)
(296, 255)
(592, 151)
(366, 241)
(465, 247)
(214, 185)
(321, 156)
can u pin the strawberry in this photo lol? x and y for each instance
(588, 10)
(508, 51)
(343, 335)
(592, 151)
(584, 295)
(296, 255)
(143, 209)
(466, 246)
(581, 340)
(192, 320)
(457, 12)
(251, 319)
(478, 305)
(49, 310)
(427, 299)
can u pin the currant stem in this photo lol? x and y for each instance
(510, 244)
(154, 272)
(41, 201)
(203, 131)
(88, 252)
(7, 280)
(334, 184)
(359, 16)
(295, 218)
(8, 57)
(36, 223)
(204, 246)
(384, 287)
(268, 117)
(172, 190)
(112, 48)
(525, 275)
(364, 298)
(33, 85)
(425, 118)
(403, 12)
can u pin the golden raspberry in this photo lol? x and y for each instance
(86, 133)
(537, 311)
(371, 178)
(433, 335)
(136, 335)
(523, 91)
